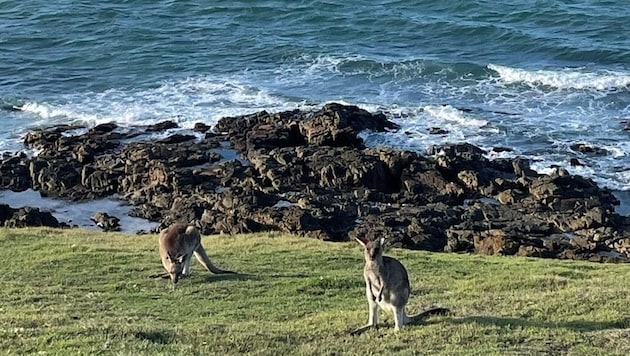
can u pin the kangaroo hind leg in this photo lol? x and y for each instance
(400, 317)
(186, 267)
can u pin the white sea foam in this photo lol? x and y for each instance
(311, 66)
(418, 123)
(543, 136)
(566, 78)
(603, 177)
(46, 111)
(186, 102)
(325, 63)
(451, 115)
(308, 68)
(531, 120)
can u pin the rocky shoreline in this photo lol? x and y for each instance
(309, 173)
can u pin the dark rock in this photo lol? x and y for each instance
(575, 162)
(437, 131)
(103, 128)
(26, 216)
(495, 242)
(501, 149)
(177, 138)
(106, 222)
(161, 126)
(584, 148)
(308, 173)
(14, 173)
(201, 127)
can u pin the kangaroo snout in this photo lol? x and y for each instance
(174, 277)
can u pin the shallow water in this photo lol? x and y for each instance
(78, 214)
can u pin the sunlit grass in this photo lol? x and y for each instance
(80, 292)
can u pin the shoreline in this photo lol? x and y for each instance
(308, 173)
(78, 214)
(624, 202)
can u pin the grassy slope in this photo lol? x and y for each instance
(91, 293)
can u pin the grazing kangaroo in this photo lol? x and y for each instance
(387, 287)
(178, 242)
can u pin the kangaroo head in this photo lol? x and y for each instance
(373, 249)
(176, 267)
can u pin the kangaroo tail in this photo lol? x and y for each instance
(202, 256)
(411, 319)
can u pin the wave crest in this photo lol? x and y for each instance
(186, 102)
(568, 78)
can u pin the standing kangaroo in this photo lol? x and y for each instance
(387, 287)
(178, 242)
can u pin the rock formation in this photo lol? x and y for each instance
(309, 173)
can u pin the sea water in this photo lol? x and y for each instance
(533, 77)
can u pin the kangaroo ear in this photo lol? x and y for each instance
(382, 241)
(360, 240)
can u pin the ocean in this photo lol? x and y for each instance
(545, 80)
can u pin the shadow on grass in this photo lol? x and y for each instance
(236, 276)
(214, 277)
(162, 275)
(577, 325)
(294, 275)
(257, 277)
(231, 277)
(156, 337)
(416, 319)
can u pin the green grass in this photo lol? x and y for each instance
(80, 292)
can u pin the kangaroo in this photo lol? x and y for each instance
(178, 242)
(387, 287)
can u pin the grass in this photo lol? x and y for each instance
(81, 292)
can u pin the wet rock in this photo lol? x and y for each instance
(501, 149)
(103, 128)
(437, 131)
(26, 216)
(584, 148)
(338, 125)
(309, 173)
(161, 126)
(105, 221)
(14, 174)
(201, 127)
(177, 138)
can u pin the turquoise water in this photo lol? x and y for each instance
(533, 76)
